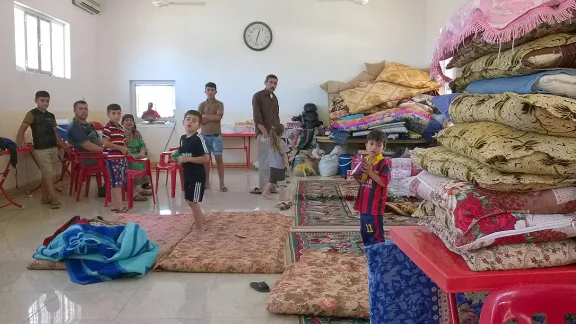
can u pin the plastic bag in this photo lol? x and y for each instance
(304, 170)
(328, 165)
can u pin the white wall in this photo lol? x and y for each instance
(18, 88)
(438, 12)
(313, 42)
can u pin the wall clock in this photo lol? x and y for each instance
(257, 36)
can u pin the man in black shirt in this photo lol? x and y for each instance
(193, 155)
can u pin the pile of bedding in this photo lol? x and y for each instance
(501, 188)
(386, 93)
(100, 252)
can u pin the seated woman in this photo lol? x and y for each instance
(137, 149)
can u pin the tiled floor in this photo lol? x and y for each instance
(48, 297)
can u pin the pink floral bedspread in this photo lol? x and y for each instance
(480, 218)
(496, 21)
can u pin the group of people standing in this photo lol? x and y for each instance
(120, 135)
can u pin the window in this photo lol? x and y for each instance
(42, 42)
(161, 94)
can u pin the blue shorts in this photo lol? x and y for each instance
(372, 229)
(117, 171)
(214, 144)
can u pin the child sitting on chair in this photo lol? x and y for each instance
(374, 179)
(278, 164)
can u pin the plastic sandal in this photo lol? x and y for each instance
(260, 287)
(55, 205)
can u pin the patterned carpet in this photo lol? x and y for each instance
(330, 203)
(340, 242)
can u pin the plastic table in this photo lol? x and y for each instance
(449, 271)
(246, 137)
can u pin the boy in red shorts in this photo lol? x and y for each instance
(371, 199)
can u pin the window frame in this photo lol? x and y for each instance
(134, 102)
(41, 17)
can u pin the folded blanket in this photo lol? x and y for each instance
(536, 113)
(442, 103)
(543, 82)
(97, 253)
(510, 256)
(496, 22)
(561, 84)
(474, 47)
(553, 52)
(416, 119)
(509, 150)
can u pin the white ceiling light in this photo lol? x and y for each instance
(166, 3)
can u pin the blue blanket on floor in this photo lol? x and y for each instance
(98, 253)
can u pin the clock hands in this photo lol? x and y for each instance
(258, 35)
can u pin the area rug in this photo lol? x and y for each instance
(166, 231)
(337, 242)
(323, 284)
(233, 243)
(330, 204)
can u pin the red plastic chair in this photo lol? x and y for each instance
(132, 175)
(171, 167)
(65, 161)
(521, 302)
(108, 197)
(82, 173)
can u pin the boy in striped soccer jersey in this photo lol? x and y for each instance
(371, 199)
(193, 156)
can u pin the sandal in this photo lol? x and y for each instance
(55, 205)
(45, 202)
(122, 210)
(256, 191)
(260, 287)
(140, 198)
(223, 189)
(286, 206)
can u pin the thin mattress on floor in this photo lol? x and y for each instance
(233, 243)
(323, 284)
(166, 231)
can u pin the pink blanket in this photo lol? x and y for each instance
(496, 21)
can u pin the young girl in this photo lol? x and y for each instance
(278, 164)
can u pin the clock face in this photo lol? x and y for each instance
(258, 36)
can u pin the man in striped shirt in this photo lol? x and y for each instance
(371, 199)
